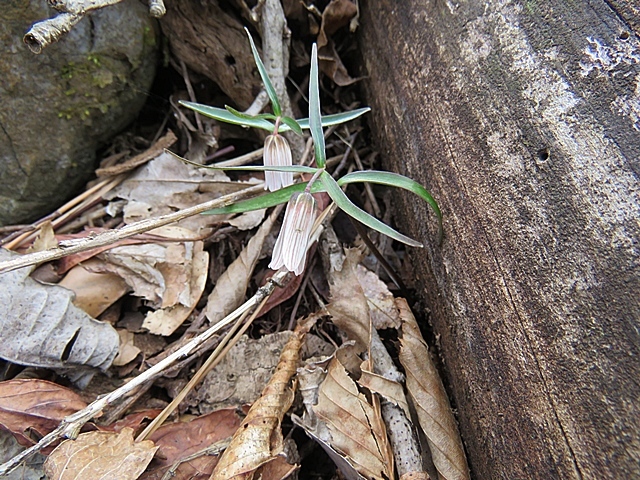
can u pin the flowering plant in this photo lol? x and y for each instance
(291, 246)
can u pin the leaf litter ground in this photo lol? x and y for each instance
(309, 389)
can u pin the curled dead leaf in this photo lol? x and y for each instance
(259, 439)
(430, 400)
(100, 455)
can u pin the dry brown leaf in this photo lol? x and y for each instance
(430, 400)
(382, 306)
(95, 292)
(45, 240)
(231, 287)
(390, 390)
(171, 276)
(35, 406)
(259, 439)
(356, 427)
(182, 439)
(277, 469)
(310, 377)
(349, 307)
(350, 310)
(336, 15)
(165, 185)
(128, 351)
(100, 456)
(248, 220)
(40, 326)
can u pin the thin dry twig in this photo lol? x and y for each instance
(48, 31)
(71, 425)
(214, 359)
(112, 236)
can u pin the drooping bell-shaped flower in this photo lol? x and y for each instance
(290, 250)
(277, 153)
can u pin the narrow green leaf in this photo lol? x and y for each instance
(250, 168)
(336, 118)
(225, 116)
(259, 121)
(315, 121)
(343, 202)
(292, 124)
(265, 201)
(265, 77)
(246, 116)
(395, 180)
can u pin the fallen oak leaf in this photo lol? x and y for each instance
(100, 455)
(430, 400)
(350, 310)
(95, 292)
(259, 439)
(36, 406)
(310, 377)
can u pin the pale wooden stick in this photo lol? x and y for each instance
(214, 359)
(71, 425)
(112, 236)
(16, 242)
(48, 31)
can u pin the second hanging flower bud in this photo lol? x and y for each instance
(277, 153)
(290, 250)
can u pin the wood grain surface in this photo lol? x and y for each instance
(523, 119)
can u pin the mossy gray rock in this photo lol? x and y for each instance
(59, 106)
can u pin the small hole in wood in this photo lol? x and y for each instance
(543, 154)
(625, 36)
(230, 60)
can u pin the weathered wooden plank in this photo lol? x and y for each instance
(522, 118)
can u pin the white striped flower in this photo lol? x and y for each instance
(277, 153)
(290, 250)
